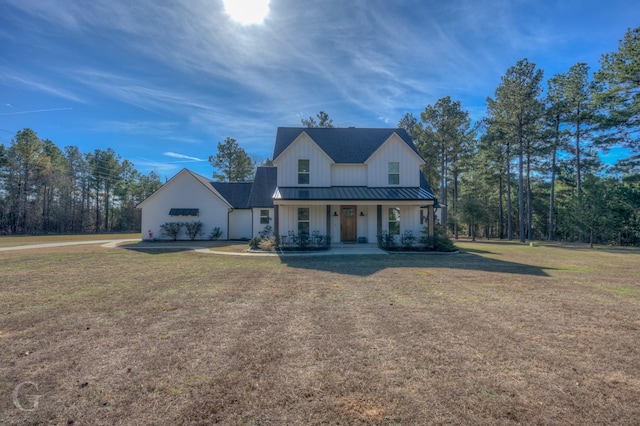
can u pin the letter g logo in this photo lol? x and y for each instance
(32, 400)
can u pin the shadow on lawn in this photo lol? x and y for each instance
(365, 265)
(167, 246)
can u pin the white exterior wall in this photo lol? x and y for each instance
(240, 224)
(368, 224)
(409, 219)
(304, 148)
(394, 149)
(348, 175)
(259, 227)
(335, 224)
(184, 191)
(288, 217)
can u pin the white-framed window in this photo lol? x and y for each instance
(394, 220)
(303, 220)
(303, 172)
(394, 173)
(264, 217)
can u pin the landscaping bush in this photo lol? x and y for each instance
(387, 240)
(171, 229)
(407, 240)
(442, 240)
(268, 244)
(254, 243)
(194, 229)
(266, 232)
(302, 242)
(439, 242)
(215, 233)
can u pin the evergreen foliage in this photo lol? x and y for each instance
(45, 189)
(232, 163)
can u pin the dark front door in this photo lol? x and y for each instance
(348, 224)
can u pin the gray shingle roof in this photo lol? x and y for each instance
(236, 193)
(263, 188)
(343, 145)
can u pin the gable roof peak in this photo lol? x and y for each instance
(342, 144)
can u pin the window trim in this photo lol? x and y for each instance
(393, 174)
(264, 218)
(395, 222)
(304, 175)
(304, 221)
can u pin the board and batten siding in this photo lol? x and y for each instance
(409, 219)
(304, 148)
(348, 175)
(394, 149)
(184, 191)
(288, 216)
(240, 224)
(259, 227)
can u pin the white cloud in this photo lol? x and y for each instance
(247, 12)
(181, 156)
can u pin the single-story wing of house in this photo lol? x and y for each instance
(348, 184)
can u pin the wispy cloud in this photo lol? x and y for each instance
(35, 110)
(187, 74)
(160, 167)
(137, 127)
(11, 77)
(182, 156)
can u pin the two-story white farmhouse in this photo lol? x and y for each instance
(352, 184)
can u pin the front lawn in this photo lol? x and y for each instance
(500, 334)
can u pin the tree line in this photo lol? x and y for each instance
(45, 189)
(530, 168)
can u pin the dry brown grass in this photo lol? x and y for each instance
(505, 334)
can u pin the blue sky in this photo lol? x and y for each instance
(162, 82)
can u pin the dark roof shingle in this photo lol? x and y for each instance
(236, 193)
(263, 188)
(344, 145)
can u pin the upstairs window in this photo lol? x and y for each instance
(303, 172)
(264, 217)
(394, 173)
(394, 221)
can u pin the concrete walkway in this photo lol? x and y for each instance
(335, 250)
(71, 243)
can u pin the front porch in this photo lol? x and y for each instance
(316, 224)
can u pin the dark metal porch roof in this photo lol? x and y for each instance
(353, 193)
